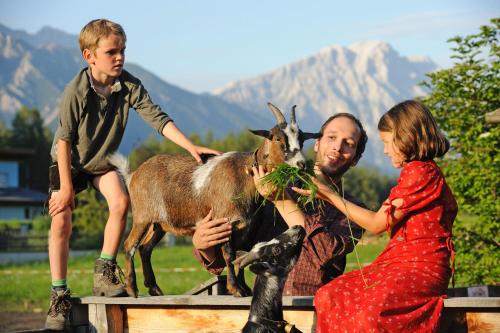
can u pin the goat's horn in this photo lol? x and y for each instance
(246, 259)
(292, 116)
(277, 114)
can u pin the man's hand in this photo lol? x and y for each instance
(59, 200)
(267, 190)
(210, 232)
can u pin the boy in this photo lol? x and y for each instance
(93, 115)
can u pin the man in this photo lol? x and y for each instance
(328, 232)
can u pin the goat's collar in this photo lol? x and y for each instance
(248, 169)
(277, 326)
(255, 162)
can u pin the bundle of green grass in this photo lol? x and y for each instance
(285, 175)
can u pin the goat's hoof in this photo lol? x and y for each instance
(132, 292)
(155, 291)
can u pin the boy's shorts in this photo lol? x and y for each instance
(79, 179)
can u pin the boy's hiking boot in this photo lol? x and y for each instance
(60, 307)
(108, 279)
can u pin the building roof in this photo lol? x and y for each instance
(21, 196)
(11, 153)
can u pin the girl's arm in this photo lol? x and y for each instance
(171, 132)
(372, 221)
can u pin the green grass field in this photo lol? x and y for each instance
(26, 287)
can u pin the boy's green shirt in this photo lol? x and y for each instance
(94, 125)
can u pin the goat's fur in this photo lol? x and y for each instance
(172, 193)
(271, 261)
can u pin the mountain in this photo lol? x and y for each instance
(34, 70)
(365, 79)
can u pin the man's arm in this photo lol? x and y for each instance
(210, 233)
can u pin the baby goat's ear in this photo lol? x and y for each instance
(260, 267)
(263, 133)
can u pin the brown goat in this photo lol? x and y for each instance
(172, 193)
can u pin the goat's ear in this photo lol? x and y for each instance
(260, 267)
(307, 135)
(241, 253)
(263, 133)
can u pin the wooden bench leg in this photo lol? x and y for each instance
(105, 318)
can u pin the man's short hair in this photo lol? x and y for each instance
(93, 31)
(360, 147)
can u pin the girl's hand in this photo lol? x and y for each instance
(267, 190)
(196, 151)
(323, 190)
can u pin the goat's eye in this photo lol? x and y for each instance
(278, 139)
(276, 251)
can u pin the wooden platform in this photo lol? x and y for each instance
(203, 314)
(206, 308)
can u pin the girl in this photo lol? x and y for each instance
(404, 288)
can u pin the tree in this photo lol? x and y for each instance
(459, 99)
(244, 141)
(28, 131)
(5, 135)
(368, 185)
(89, 220)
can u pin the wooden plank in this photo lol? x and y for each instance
(97, 318)
(114, 315)
(105, 318)
(295, 301)
(473, 302)
(483, 322)
(190, 300)
(145, 319)
(214, 286)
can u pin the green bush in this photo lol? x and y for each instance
(460, 98)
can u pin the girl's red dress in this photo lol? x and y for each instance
(404, 288)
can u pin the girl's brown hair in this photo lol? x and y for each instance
(93, 31)
(415, 131)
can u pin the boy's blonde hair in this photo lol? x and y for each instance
(93, 31)
(415, 131)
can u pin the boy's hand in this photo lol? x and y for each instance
(60, 200)
(196, 151)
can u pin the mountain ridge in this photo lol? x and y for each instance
(363, 78)
(34, 73)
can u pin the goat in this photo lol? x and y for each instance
(271, 261)
(172, 193)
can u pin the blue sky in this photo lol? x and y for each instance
(202, 45)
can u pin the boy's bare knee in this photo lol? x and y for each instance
(119, 205)
(60, 226)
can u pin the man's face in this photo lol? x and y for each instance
(108, 58)
(336, 149)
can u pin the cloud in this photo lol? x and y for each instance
(434, 23)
